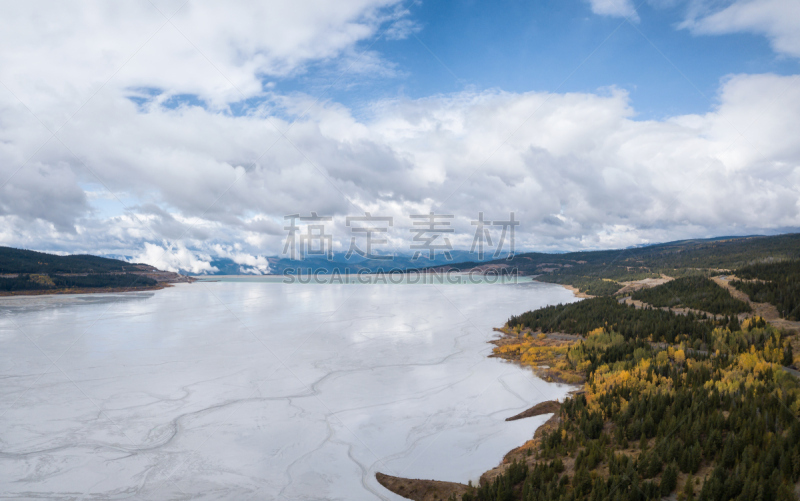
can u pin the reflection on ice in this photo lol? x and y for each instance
(230, 390)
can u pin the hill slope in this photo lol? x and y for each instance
(603, 272)
(26, 261)
(30, 272)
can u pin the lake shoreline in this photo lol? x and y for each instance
(436, 490)
(576, 291)
(53, 292)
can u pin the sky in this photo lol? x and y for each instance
(178, 132)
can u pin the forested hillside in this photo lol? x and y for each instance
(707, 413)
(26, 261)
(696, 292)
(775, 283)
(599, 273)
(769, 269)
(38, 272)
(604, 312)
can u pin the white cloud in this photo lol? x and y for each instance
(250, 264)
(778, 20)
(57, 55)
(174, 257)
(615, 8)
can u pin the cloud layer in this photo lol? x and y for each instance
(137, 167)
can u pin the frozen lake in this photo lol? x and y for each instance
(255, 390)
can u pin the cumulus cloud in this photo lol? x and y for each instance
(250, 264)
(59, 55)
(577, 169)
(615, 8)
(174, 257)
(778, 20)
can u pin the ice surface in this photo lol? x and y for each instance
(259, 390)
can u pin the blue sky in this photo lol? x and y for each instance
(557, 47)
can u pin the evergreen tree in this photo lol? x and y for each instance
(669, 479)
(688, 489)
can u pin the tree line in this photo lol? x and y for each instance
(32, 282)
(587, 315)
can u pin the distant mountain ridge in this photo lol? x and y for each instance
(601, 273)
(717, 252)
(278, 266)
